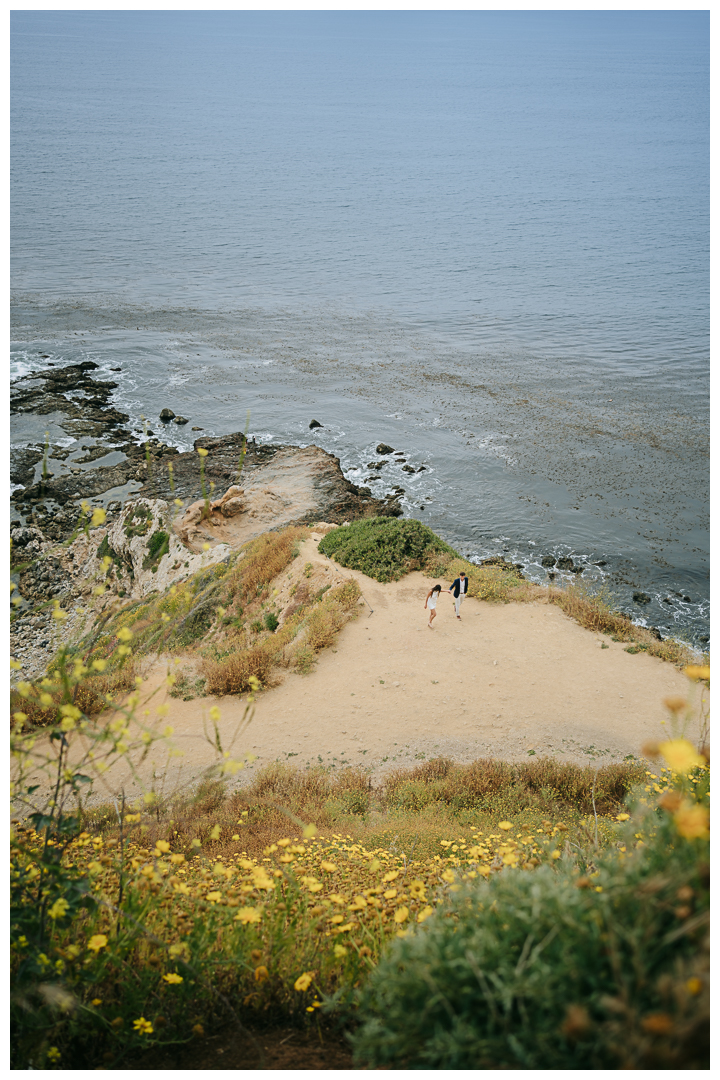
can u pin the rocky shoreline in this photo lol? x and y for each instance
(55, 558)
(51, 481)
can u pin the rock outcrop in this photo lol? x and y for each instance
(289, 486)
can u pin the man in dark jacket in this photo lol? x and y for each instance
(459, 589)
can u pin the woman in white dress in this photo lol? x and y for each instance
(431, 602)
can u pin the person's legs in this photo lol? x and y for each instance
(458, 601)
(432, 616)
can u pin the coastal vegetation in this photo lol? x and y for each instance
(383, 548)
(225, 619)
(535, 914)
(553, 924)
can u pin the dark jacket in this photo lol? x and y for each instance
(455, 587)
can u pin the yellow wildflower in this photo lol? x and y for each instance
(693, 671)
(172, 978)
(329, 867)
(261, 974)
(692, 821)
(125, 634)
(161, 847)
(391, 875)
(261, 879)
(424, 914)
(401, 914)
(505, 825)
(622, 817)
(59, 908)
(143, 1026)
(681, 755)
(694, 985)
(303, 982)
(97, 942)
(248, 915)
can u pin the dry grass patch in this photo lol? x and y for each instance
(264, 559)
(411, 813)
(593, 611)
(488, 784)
(90, 695)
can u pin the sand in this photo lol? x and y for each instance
(510, 681)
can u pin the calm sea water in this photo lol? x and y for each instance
(481, 237)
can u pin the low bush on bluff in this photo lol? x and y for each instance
(383, 548)
(605, 968)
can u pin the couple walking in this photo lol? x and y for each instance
(458, 589)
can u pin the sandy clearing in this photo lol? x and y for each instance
(501, 682)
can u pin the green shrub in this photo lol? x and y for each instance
(561, 968)
(271, 621)
(383, 548)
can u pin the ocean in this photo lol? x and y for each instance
(480, 237)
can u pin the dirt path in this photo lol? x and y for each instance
(505, 680)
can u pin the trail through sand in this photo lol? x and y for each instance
(505, 681)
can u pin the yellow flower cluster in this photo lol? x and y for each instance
(345, 891)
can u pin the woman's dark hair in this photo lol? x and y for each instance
(437, 588)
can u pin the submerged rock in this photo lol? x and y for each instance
(166, 415)
(565, 563)
(383, 448)
(314, 424)
(547, 561)
(641, 598)
(504, 564)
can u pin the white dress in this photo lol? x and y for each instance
(432, 602)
